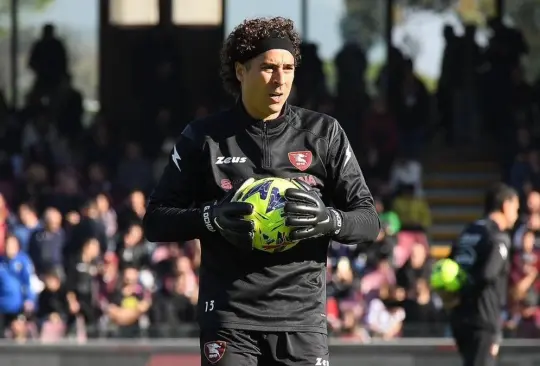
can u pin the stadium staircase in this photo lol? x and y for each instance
(454, 184)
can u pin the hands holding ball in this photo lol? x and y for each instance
(273, 215)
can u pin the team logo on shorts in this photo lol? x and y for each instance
(214, 351)
(301, 159)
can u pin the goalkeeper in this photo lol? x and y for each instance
(482, 253)
(257, 308)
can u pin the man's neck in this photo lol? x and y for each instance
(258, 116)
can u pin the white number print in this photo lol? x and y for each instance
(208, 306)
(322, 362)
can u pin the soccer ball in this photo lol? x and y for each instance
(447, 276)
(267, 196)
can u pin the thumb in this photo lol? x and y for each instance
(242, 187)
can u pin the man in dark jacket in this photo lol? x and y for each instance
(258, 308)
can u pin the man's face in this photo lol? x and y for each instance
(266, 82)
(511, 208)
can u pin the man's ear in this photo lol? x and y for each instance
(240, 71)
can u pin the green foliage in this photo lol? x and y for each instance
(26, 5)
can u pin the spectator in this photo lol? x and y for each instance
(107, 215)
(389, 219)
(412, 111)
(29, 223)
(385, 320)
(424, 312)
(133, 211)
(53, 307)
(525, 288)
(88, 227)
(133, 250)
(380, 138)
(6, 220)
(81, 284)
(406, 172)
(48, 59)
(17, 296)
(417, 267)
(129, 304)
(47, 244)
(413, 211)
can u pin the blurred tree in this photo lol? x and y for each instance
(37, 5)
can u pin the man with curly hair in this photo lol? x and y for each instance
(257, 308)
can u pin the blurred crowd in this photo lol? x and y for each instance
(74, 260)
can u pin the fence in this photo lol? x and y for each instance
(404, 352)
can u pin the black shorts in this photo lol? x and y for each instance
(233, 347)
(474, 346)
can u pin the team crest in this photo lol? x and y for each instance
(301, 159)
(214, 351)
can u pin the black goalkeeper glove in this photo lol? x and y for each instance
(227, 218)
(307, 214)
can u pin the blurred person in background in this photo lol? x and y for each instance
(383, 318)
(133, 250)
(129, 304)
(132, 211)
(417, 267)
(174, 309)
(380, 140)
(406, 172)
(47, 244)
(424, 311)
(109, 278)
(17, 296)
(482, 252)
(413, 111)
(413, 211)
(89, 226)
(6, 222)
(82, 287)
(389, 219)
(524, 289)
(53, 308)
(48, 59)
(107, 215)
(28, 224)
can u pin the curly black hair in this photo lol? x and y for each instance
(242, 40)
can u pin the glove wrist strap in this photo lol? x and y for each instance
(337, 220)
(208, 221)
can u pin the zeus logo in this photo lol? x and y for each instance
(230, 160)
(176, 158)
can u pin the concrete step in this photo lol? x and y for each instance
(438, 183)
(440, 251)
(456, 217)
(462, 167)
(446, 228)
(464, 192)
(455, 201)
(490, 177)
(451, 210)
(447, 237)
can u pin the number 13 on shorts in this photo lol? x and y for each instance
(208, 306)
